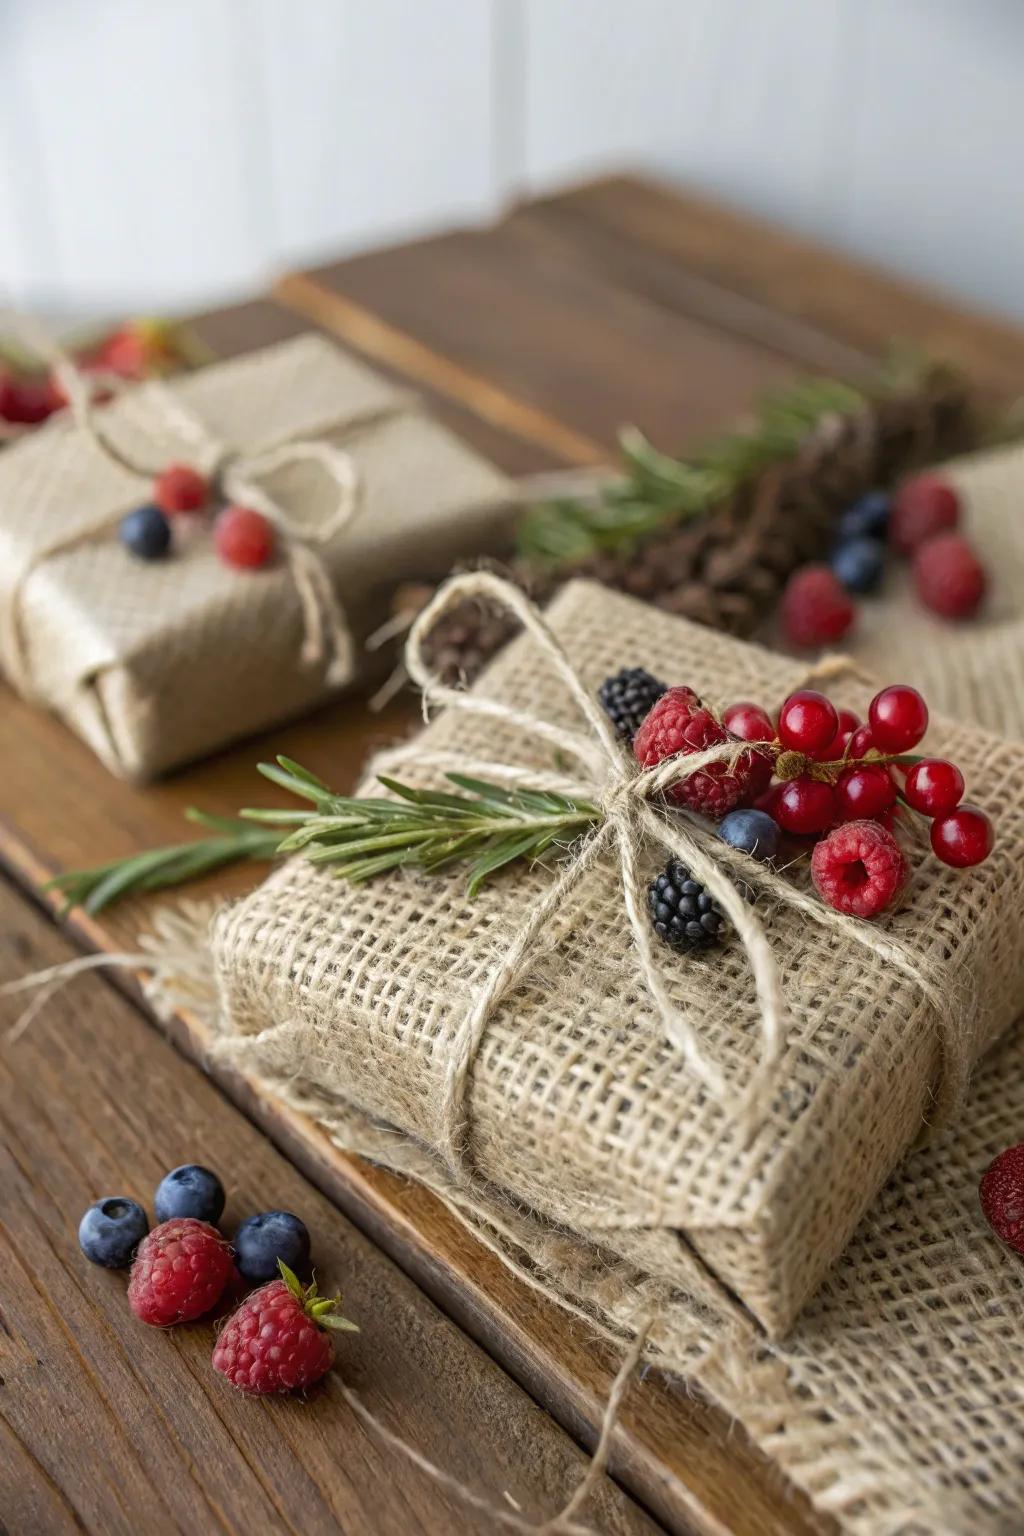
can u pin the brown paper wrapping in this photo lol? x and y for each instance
(156, 663)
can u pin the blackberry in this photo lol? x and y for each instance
(628, 697)
(682, 912)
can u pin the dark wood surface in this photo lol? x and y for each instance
(535, 340)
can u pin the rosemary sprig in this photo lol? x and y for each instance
(657, 490)
(485, 826)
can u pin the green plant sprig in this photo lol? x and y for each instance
(485, 826)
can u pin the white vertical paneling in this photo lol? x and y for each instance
(379, 118)
(140, 158)
(935, 184)
(736, 98)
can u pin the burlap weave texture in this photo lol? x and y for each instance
(580, 1110)
(154, 663)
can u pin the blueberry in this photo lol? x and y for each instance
(858, 564)
(146, 532)
(866, 518)
(752, 832)
(189, 1191)
(111, 1230)
(261, 1240)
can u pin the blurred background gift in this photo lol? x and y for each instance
(171, 153)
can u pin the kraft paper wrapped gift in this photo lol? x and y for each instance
(155, 663)
(579, 1109)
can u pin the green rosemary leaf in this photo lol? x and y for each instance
(496, 857)
(305, 787)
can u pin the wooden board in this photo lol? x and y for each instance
(537, 338)
(109, 1426)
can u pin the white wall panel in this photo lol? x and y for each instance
(379, 118)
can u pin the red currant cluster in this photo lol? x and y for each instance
(242, 537)
(28, 397)
(819, 772)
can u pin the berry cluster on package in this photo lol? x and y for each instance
(202, 557)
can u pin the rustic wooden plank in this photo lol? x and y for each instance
(60, 810)
(109, 1425)
(542, 327)
(795, 278)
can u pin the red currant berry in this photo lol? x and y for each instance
(898, 718)
(749, 722)
(807, 721)
(861, 742)
(923, 505)
(963, 838)
(934, 787)
(864, 794)
(805, 806)
(243, 538)
(180, 488)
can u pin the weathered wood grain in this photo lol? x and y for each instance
(113, 1427)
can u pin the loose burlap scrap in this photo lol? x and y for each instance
(580, 1111)
(154, 663)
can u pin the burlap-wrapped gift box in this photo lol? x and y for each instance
(580, 1111)
(156, 663)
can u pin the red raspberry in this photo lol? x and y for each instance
(179, 1272)
(679, 724)
(923, 505)
(1002, 1196)
(278, 1339)
(243, 538)
(815, 608)
(180, 488)
(859, 868)
(949, 577)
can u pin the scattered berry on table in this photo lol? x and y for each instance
(923, 505)
(865, 792)
(137, 348)
(866, 518)
(751, 831)
(179, 1273)
(180, 488)
(949, 578)
(146, 533)
(627, 698)
(243, 538)
(815, 608)
(805, 806)
(898, 717)
(749, 722)
(1002, 1196)
(262, 1240)
(858, 564)
(682, 911)
(679, 724)
(808, 722)
(859, 868)
(190, 1190)
(26, 401)
(933, 787)
(963, 838)
(111, 1230)
(279, 1340)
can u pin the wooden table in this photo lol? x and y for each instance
(619, 301)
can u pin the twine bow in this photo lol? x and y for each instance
(238, 476)
(632, 801)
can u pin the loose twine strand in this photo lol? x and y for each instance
(239, 476)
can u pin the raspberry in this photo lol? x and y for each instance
(180, 488)
(815, 608)
(243, 538)
(949, 577)
(678, 724)
(278, 1340)
(1002, 1196)
(859, 868)
(923, 505)
(179, 1272)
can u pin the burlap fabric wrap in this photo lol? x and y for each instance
(154, 663)
(579, 1108)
